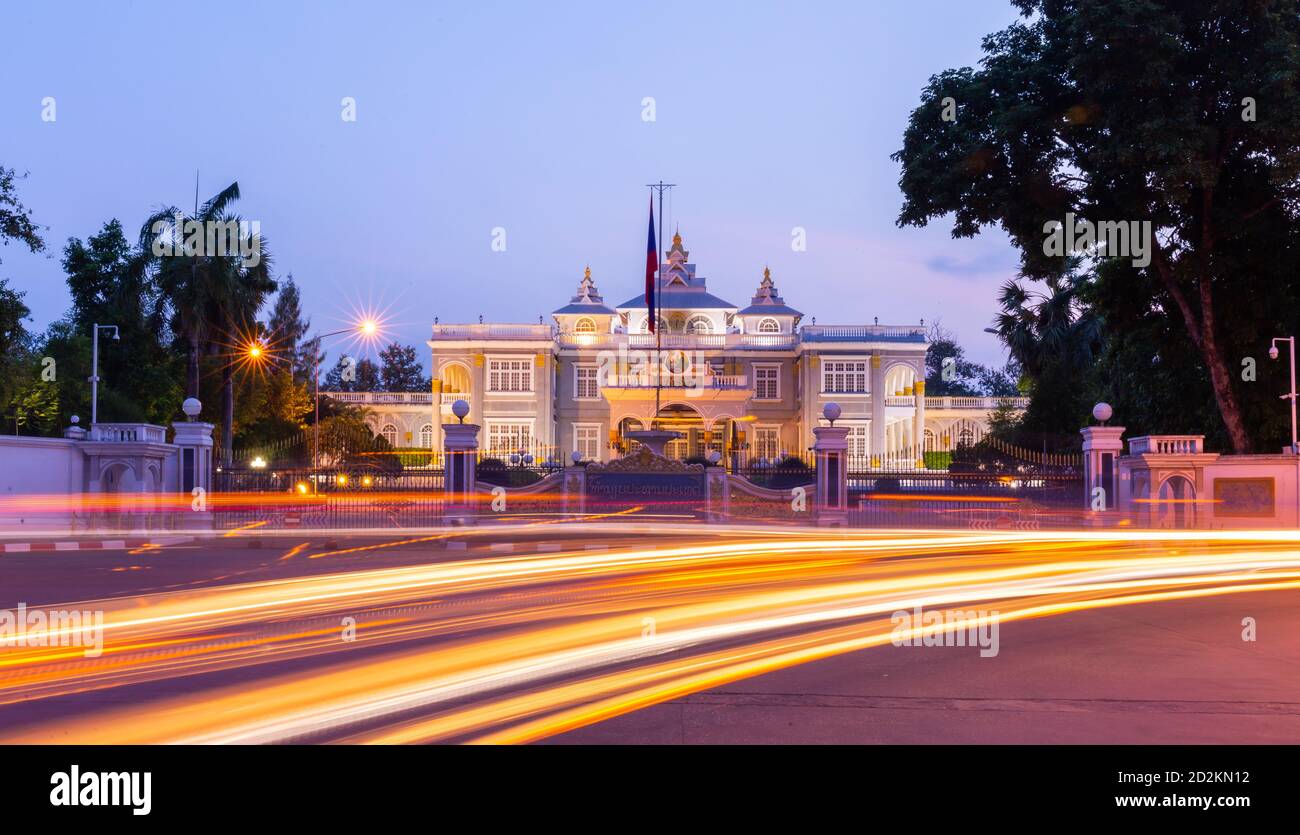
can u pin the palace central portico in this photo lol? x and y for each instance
(746, 381)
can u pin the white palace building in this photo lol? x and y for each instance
(749, 382)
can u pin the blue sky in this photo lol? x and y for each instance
(517, 115)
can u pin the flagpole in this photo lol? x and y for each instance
(659, 288)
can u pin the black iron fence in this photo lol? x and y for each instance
(781, 475)
(288, 499)
(967, 500)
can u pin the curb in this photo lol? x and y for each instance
(89, 544)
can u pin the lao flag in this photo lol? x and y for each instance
(651, 267)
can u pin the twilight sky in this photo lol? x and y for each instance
(524, 116)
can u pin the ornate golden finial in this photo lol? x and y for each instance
(677, 238)
(767, 273)
(587, 272)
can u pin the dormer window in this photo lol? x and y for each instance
(769, 325)
(585, 325)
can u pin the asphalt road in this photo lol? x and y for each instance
(1162, 673)
(622, 632)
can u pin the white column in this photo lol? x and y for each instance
(919, 389)
(878, 395)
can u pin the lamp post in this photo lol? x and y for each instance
(366, 328)
(94, 370)
(1273, 354)
(1295, 449)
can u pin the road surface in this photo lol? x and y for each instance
(658, 633)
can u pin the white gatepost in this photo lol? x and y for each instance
(193, 442)
(1102, 447)
(459, 462)
(573, 490)
(831, 449)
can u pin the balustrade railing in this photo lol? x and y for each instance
(984, 403)
(493, 331)
(681, 341)
(649, 379)
(381, 398)
(1167, 445)
(865, 333)
(125, 433)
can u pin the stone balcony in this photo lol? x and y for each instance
(862, 333)
(681, 341)
(717, 382)
(382, 398)
(492, 331)
(983, 404)
(127, 433)
(1167, 445)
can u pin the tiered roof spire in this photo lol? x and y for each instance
(587, 292)
(767, 299)
(587, 299)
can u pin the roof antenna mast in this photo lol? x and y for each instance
(660, 187)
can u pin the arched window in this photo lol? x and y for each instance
(899, 379)
(624, 426)
(426, 436)
(585, 325)
(699, 324)
(389, 433)
(455, 378)
(645, 325)
(769, 326)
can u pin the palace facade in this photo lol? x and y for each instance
(747, 381)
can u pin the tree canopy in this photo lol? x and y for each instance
(1180, 114)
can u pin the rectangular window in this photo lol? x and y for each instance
(510, 375)
(767, 442)
(767, 382)
(859, 440)
(586, 440)
(844, 377)
(586, 382)
(187, 470)
(505, 438)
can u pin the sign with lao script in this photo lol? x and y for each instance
(645, 477)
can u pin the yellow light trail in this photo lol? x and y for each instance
(513, 649)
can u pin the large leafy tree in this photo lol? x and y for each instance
(400, 370)
(351, 374)
(1181, 113)
(110, 283)
(14, 338)
(211, 298)
(949, 373)
(288, 333)
(16, 224)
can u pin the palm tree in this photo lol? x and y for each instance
(1052, 328)
(207, 296)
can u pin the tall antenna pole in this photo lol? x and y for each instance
(660, 187)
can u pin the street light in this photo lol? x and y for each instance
(94, 370)
(1273, 355)
(367, 328)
